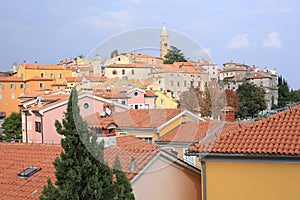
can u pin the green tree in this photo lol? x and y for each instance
(252, 99)
(12, 126)
(80, 171)
(174, 55)
(283, 92)
(123, 190)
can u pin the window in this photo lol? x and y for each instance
(1, 86)
(26, 85)
(132, 71)
(58, 87)
(52, 75)
(172, 83)
(12, 86)
(60, 75)
(136, 106)
(123, 102)
(29, 172)
(42, 74)
(114, 72)
(86, 105)
(188, 159)
(184, 83)
(147, 106)
(38, 126)
(21, 86)
(122, 134)
(123, 71)
(42, 85)
(147, 139)
(0, 96)
(161, 102)
(178, 83)
(12, 95)
(136, 93)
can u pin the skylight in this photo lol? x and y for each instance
(29, 172)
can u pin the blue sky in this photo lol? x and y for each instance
(265, 33)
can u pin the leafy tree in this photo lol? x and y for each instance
(174, 55)
(252, 99)
(80, 171)
(122, 186)
(232, 99)
(12, 126)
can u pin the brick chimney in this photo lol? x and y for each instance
(228, 114)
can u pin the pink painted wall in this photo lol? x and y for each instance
(140, 99)
(151, 102)
(167, 181)
(49, 130)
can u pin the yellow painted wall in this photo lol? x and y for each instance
(165, 101)
(252, 181)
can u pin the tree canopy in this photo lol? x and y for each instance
(174, 55)
(80, 171)
(12, 126)
(252, 99)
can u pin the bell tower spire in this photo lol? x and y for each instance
(164, 42)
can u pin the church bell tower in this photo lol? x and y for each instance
(164, 42)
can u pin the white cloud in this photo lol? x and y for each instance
(112, 19)
(272, 40)
(240, 41)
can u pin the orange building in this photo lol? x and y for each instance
(10, 89)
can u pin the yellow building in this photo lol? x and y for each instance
(52, 71)
(165, 100)
(257, 161)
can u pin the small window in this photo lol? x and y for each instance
(38, 126)
(161, 102)
(122, 134)
(29, 172)
(12, 86)
(136, 94)
(21, 86)
(0, 96)
(52, 75)
(58, 87)
(178, 83)
(60, 75)
(172, 83)
(123, 71)
(12, 96)
(114, 72)
(132, 72)
(42, 74)
(123, 102)
(86, 105)
(1, 86)
(147, 139)
(42, 85)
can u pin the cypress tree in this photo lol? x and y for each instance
(123, 190)
(81, 172)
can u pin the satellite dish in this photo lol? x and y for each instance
(108, 111)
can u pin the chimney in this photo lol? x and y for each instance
(228, 114)
(24, 61)
(132, 167)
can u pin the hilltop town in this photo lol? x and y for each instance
(135, 102)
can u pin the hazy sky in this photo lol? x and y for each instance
(265, 33)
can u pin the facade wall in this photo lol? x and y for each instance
(9, 96)
(135, 73)
(255, 180)
(164, 180)
(165, 100)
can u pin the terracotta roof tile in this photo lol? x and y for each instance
(274, 135)
(10, 79)
(137, 118)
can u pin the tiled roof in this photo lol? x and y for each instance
(256, 76)
(45, 67)
(10, 79)
(112, 93)
(38, 78)
(186, 67)
(138, 118)
(278, 134)
(128, 148)
(96, 78)
(74, 79)
(16, 157)
(233, 69)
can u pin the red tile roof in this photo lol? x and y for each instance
(129, 147)
(257, 76)
(16, 157)
(10, 79)
(112, 93)
(278, 134)
(73, 79)
(96, 78)
(45, 67)
(137, 118)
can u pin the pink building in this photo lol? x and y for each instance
(136, 98)
(39, 117)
